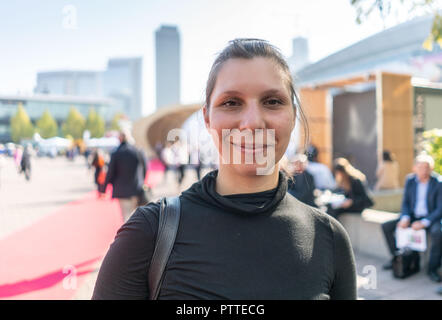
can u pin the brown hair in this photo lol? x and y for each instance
(343, 165)
(248, 48)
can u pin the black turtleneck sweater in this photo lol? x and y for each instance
(265, 245)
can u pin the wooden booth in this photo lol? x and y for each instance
(359, 126)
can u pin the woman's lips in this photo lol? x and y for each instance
(251, 148)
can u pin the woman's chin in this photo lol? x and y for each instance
(253, 169)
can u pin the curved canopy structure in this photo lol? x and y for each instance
(150, 130)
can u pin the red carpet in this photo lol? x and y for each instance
(50, 259)
(155, 173)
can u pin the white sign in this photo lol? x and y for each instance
(413, 239)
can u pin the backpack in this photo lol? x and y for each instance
(406, 262)
(168, 222)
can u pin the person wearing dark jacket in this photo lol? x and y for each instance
(421, 209)
(25, 163)
(351, 182)
(302, 184)
(126, 172)
(241, 235)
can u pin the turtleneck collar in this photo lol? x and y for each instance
(205, 191)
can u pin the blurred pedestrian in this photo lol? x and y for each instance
(2, 164)
(387, 173)
(25, 163)
(18, 153)
(352, 183)
(302, 184)
(181, 159)
(322, 175)
(87, 154)
(126, 173)
(98, 163)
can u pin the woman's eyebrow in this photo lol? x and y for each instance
(267, 92)
(230, 92)
(272, 91)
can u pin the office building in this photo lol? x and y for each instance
(167, 58)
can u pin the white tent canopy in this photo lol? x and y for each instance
(56, 142)
(105, 142)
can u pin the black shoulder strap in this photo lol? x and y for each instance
(169, 219)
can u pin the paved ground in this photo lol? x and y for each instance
(56, 182)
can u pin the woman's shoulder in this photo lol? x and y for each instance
(143, 222)
(315, 215)
(149, 212)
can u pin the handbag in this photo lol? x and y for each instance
(101, 177)
(406, 262)
(168, 222)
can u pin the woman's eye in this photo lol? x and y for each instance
(230, 103)
(273, 102)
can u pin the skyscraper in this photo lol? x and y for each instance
(123, 80)
(167, 56)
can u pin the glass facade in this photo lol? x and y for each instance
(58, 107)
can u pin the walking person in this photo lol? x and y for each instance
(98, 163)
(241, 235)
(25, 163)
(18, 153)
(126, 172)
(181, 159)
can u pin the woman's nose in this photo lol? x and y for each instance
(252, 117)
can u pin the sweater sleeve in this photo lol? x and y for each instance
(344, 285)
(123, 274)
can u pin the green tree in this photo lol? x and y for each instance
(385, 8)
(74, 124)
(21, 125)
(433, 146)
(115, 123)
(46, 126)
(95, 124)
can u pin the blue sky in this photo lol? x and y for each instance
(34, 39)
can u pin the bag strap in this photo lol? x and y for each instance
(169, 219)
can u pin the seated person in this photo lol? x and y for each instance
(387, 173)
(421, 208)
(302, 185)
(351, 182)
(322, 175)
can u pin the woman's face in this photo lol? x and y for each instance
(250, 114)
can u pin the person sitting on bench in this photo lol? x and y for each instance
(421, 208)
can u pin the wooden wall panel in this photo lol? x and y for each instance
(314, 103)
(396, 102)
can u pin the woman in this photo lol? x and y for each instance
(241, 235)
(351, 182)
(387, 173)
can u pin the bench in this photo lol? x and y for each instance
(365, 231)
(366, 235)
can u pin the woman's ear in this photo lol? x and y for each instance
(206, 117)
